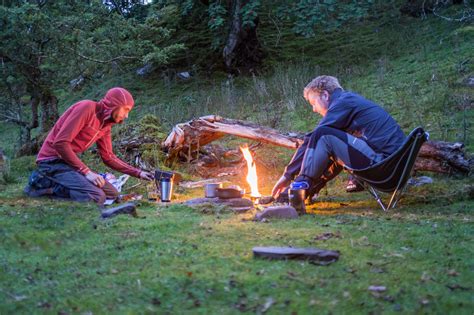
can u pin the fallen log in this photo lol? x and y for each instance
(443, 157)
(187, 139)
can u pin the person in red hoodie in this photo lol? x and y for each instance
(60, 171)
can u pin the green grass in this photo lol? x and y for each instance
(59, 257)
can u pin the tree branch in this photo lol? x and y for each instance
(15, 120)
(104, 61)
(467, 14)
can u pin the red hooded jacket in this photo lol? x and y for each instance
(83, 124)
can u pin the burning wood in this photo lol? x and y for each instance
(252, 178)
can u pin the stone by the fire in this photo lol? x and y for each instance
(126, 208)
(236, 204)
(279, 212)
(315, 255)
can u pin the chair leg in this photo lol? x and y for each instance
(373, 192)
(399, 193)
(393, 201)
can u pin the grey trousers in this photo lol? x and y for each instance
(70, 184)
(328, 151)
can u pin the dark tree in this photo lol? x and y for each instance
(242, 50)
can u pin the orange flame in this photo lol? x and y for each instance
(252, 178)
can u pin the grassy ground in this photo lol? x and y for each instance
(58, 257)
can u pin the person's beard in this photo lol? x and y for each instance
(116, 120)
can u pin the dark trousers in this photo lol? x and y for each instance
(70, 184)
(328, 151)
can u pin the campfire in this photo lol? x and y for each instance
(252, 178)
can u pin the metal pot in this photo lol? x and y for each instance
(210, 190)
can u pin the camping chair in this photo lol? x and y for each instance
(391, 174)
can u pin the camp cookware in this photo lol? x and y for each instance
(210, 190)
(228, 193)
(164, 182)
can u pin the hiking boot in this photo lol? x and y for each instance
(35, 193)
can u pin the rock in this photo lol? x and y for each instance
(236, 204)
(145, 70)
(278, 212)
(470, 82)
(377, 288)
(316, 255)
(199, 201)
(126, 208)
(184, 75)
(77, 83)
(419, 181)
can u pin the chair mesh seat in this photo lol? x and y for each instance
(391, 174)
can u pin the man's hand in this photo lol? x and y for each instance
(95, 179)
(280, 185)
(146, 175)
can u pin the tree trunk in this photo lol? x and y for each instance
(3, 160)
(47, 103)
(243, 51)
(49, 111)
(420, 8)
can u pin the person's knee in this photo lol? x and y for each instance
(98, 196)
(323, 131)
(110, 191)
(318, 133)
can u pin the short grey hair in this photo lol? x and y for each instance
(322, 83)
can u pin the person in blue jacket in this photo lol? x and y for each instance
(353, 131)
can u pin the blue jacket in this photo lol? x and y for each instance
(352, 113)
